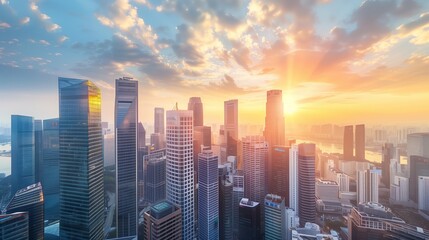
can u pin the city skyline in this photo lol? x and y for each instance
(325, 63)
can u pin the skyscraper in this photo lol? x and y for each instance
(367, 185)
(423, 193)
(142, 150)
(293, 178)
(306, 179)
(275, 217)
(196, 106)
(30, 199)
(180, 168)
(38, 150)
(225, 204)
(348, 143)
(208, 196)
(22, 150)
(14, 226)
(418, 155)
(159, 120)
(249, 220)
(81, 160)
(237, 195)
(279, 183)
(155, 180)
(274, 132)
(163, 221)
(231, 127)
(361, 186)
(255, 154)
(387, 153)
(360, 142)
(51, 170)
(126, 120)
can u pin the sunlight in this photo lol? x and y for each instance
(290, 106)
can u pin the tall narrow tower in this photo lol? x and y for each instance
(180, 167)
(348, 143)
(274, 132)
(360, 142)
(81, 160)
(231, 127)
(306, 180)
(196, 106)
(126, 144)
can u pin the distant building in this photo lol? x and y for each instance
(327, 190)
(231, 127)
(196, 106)
(14, 226)
(293, 178)
(157, 141)
(419, 166)
(163, 221)
(249, 220)
(225, 204)
(159, 120)
(360, 142)
(280, 172)
(387, 153)
(274, 132)
(348, 143)
(367, 185)
(155, 180)
(38, 150)
(370, 221)
(423, 193)
(275, 217)
(237, 194)
(306, 180)
(399, 189)
(22, 149)
(30, 199)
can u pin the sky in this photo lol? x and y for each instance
(336, 61)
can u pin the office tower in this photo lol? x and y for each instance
(280, 172)
(348, 143)
(38, 150)
(180, 168)
(327, 190)
(419, 166)
(275, 217)
(360, 142)
(343, 181)
(126, 144)
(81, 160)
(142, 150)
(293, 178)
(202, 139)
(141, 133)
(159, 120)
(291, 222)
(306, 179)
(196, 106)
(14, 226)
(255, 154)
(274, 132)
(155, 180)
(225, 204)
(423, 193)
(237, 195)
(230, 127)
(387, 153)
(249, 222)
(30, 199)
(399, 189)
(361, 188)
(373, 181)
(370, 221)
(208, 196)
(22, 150)
(163, 221)
(51, 169)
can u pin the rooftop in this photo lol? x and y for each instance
(248, 203)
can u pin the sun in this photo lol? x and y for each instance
(290, 106)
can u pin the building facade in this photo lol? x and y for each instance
(163, 221)
(275, 217)
(196, 106)
(306, 186)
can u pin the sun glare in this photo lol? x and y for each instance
(290, 106)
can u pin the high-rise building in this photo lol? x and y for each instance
(348, 143)
(275, 217)
(387, 153)
(360, 142)
(279, 183)
(202, 140)
(237, 195)
(293, 178)
(196, 106)
(51, 170)
(419, 166)
(225, 204)
(38, 150)
(155, 180)
(126, 146)
(159, 120)
(180, 167)
(255, 154)
(367, 185)
(291, 222)
(208, 196)
(163, 221)
(306, 179)
(361, 186)
(30, 199)
(343, 181)
(231, 127)
(142, 150)
(14, 226)
(249, 220)
(423, 193)
(274, 132)
(81, 160)
(399, 189)
(22, 150)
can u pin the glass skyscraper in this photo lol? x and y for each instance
(81, 160)
(23, 161)
(126, 120)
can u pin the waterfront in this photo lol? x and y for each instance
(5, 158)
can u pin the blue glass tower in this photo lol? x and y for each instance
(51, 170)
(126, 120)
(23, 162)
(81, 160)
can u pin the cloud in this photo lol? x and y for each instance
(226, 84)
(49, 25)
(25, 20)
(4, 25)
